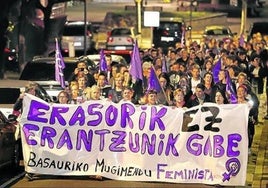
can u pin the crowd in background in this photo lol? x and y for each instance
(186, 76)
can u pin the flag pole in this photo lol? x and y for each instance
(59, 66)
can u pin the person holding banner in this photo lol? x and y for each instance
(30, 88)
(199, 97)
(220, 98)
(128, 94)
(63, 97)
(95, 93)
(151, 98)
(242, 80)
(242, 99)
(74, 90)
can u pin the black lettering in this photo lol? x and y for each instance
(211, 119)
(67, 165)
(31, 161)
(46, 162)
(187, 119)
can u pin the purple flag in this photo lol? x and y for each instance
(135, 69)
(230, 88)
(103, 63)
(215, 70)
(164, 65)
(241, 41)
(153, 82)
(59, 66)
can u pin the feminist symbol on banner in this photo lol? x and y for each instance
(233, 167)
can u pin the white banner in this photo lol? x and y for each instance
(205, 144)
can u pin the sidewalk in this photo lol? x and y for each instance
(257, 170)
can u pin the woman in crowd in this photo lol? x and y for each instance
(242, 99)
(95, 93)
(207, 67)
(220, 98)
(115, 94)
(127, 95)
(82, 81)
(87, 93)
(146, 69)
(184, 85)
(151, 97)
(157, 62)
(75, 98)
(165, 96)
(63, 97)
(179, 100)
(126, 78)
(114, 71)
(242, 80)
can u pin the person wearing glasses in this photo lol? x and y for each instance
(63, 97)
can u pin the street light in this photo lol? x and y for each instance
(243, 17)
(191, 17)
(192, 3)
(138, 12)
(85, 27)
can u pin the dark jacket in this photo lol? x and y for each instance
(193, 100)
(258, 80)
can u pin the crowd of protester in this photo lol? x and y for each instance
(186, 76)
